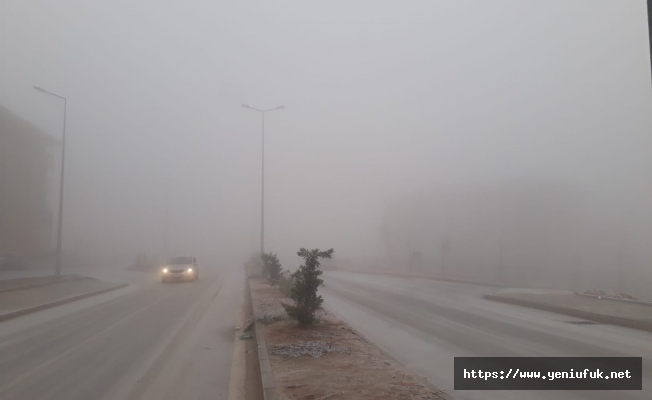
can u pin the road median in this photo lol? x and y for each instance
(437, 276)
(29, 299)
(328, 360)
(245, 383)
(627, 314)
(10, 285)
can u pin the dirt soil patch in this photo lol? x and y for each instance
(329, 360)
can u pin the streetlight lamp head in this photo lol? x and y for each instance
(245, 106)
(38, 88)
(279, 107)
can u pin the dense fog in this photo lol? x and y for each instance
(532, 233)
(505, 138)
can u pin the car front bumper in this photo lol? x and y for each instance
(178, 277)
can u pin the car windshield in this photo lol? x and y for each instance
(180, 260)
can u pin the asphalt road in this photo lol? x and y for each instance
(148, 341)
(426, 323)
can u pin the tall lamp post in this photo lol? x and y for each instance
(649, 24)
(57, 267)
(262, 191)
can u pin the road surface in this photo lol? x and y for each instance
(147, 341)
(425, 323)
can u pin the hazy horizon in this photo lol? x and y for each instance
(384, 101)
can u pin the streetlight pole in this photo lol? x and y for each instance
(649, 24)
(262, 191)
(57, 267)
(166, 253)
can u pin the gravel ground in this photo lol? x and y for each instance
(314, 349)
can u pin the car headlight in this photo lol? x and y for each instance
(189, 269)
(165, 270)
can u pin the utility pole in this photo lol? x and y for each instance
(649, 25)
(262, 191)
(167, 226)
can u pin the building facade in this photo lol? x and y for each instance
(26, 219)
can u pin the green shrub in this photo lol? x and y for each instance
(304, 289)
(285, 283)
(271, 268)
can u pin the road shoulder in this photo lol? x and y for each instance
(245, 381)
(627, 314)
(23, 298)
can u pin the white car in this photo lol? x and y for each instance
(179, 269)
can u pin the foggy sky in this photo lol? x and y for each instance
(382, 98)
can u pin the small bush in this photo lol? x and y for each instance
(271, 268)
(304, 289)
(285, 283)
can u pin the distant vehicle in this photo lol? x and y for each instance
(179, 269)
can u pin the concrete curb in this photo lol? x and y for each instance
(419, 276)
(241, 383)
(76, 278)
(645, 325)
(266, 373)
(639, 302)
(29, 310)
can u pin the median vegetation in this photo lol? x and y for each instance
(320, 357)
(271, 268)
(301, 286)
(305, 286)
